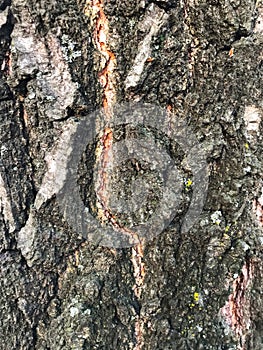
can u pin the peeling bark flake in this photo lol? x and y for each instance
(236, 311)
(154, 19)
(5, 206)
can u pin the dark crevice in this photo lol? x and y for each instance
(9, 250)
(237, 37)
(34, 336)
(5, 91)
(55, 292)
(4, 4)
(23, 260)
(8, 27)
(241, 33)
(63, 119)
(26, 138)
(21, 88)
(165, 5)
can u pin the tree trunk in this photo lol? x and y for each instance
(188, 65)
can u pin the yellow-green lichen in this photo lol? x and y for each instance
(196, 297)
(188, 184)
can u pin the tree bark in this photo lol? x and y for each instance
(199, 61)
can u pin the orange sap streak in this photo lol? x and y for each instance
(109, 97)
(105, 76)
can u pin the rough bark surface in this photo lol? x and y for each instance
(61, 60)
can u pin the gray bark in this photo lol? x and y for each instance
(195, 290)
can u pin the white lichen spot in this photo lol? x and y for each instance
(87, 312)
(74, 311)
(31, 95)
(216, 217)
(69, 49)
(199, 328)
(247, 169)
(245, 246)
(80, 267)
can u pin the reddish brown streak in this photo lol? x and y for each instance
(100, 38)
(106, 79)
(106, 141)
(101, 34)
(258, 210)
(237, 309)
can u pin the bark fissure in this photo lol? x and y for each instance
(203, 60)
(109, 98)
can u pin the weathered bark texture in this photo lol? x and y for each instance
(61, 60)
